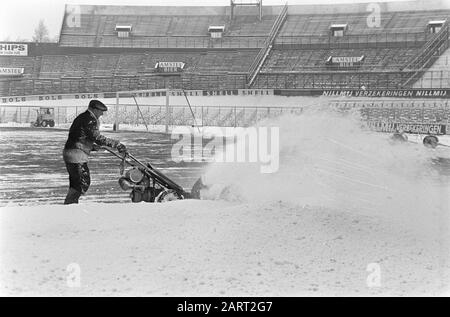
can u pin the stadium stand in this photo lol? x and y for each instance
(390, 22)
(82, 65)
(28, 63)
(288, 48)
(298, 60)
(170, 28)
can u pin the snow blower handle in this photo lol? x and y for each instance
(139, 162)
(122, 158)
(114, 153)
(127, 155)
(126, 158)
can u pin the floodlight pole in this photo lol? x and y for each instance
(234, 3)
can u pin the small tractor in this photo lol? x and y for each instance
(45, 117)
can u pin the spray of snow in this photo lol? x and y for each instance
(330, 160)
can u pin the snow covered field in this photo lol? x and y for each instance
(209, 248)
(32, 171)
(347, 213)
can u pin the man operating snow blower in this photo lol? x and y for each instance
(84, 136)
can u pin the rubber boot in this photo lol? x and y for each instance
(72, 196)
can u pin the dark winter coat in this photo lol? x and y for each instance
(83, 134)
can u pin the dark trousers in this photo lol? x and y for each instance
(79, 181)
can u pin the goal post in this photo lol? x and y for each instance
(130, 98)
(151, 99)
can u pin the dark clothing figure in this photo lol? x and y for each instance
(79, 176)
(79, 181)
(84, 134)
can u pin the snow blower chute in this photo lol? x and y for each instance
(148, 184)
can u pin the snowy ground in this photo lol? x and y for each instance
(211, 248)
(32, 170)
(347, 213)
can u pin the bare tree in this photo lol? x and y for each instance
(21, 39)
(41, 33)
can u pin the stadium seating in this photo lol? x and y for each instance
(165, 31)
(57, 66)
(391, 22)
(27, 63)
(331, 80)
(109, 72)
(235, 61)
(298, 60)
(295, 60)
(250, 26)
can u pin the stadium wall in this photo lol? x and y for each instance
(39, 49)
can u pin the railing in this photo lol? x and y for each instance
(330, 80)
(374, 40)
(380, 40)
(264, 52)
(255, 67)
(391, 103)
(400, 111)
(27, 114)
(186, 42)
(427, 55)
(154, 115)
(428, 112)
(434, 79)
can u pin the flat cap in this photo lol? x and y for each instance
(96, 104)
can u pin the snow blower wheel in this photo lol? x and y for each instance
(168, 195)
(431, 141)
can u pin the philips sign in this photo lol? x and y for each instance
(11, 49)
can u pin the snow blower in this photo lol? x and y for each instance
(148, 184)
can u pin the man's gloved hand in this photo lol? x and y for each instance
(122, 148)
(96, 147)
